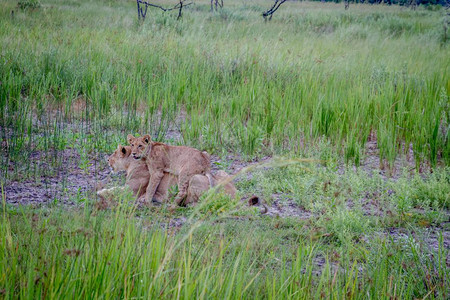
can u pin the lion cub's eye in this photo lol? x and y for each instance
(140, 146)
(132, 145)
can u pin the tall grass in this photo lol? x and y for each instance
(81, 253)
(228, 81)
(80, 75)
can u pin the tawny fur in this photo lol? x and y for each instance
(182, 161)
(138, 178)
(137, 174)
(200, 184)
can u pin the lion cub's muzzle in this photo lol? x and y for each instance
(135, 156)
(109, 164)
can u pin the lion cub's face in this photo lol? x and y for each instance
(139, 145)
(120, 159)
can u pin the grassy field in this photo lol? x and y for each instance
(229, 253)
(362, 95)
(315, 71)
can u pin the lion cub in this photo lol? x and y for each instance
(137, 174)
(182, 161)
(138, 178)
(200, 184)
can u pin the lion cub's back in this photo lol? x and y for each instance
(181, 156)
(227, 181)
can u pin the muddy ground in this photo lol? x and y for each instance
(72, 185)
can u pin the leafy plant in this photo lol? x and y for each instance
(28, 4)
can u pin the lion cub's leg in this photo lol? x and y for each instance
(184, 177)
(167, 181)
(183, 184)
(107, 195)
(228, 185)
(155, 179)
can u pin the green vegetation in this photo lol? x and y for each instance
(227, 81)
(428, 3)
(349, 90)
(365, 237)
(60, 253)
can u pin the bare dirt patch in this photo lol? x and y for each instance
(68, 184)
(421, 238)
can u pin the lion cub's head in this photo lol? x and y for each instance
(120, 159)
(139, 145)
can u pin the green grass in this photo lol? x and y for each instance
(316, 186)
(227, 81)
(397, 247)
(316, 82)
(119, 253)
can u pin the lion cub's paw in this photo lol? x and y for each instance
(172, 208)
(156, 201)
(141, 201)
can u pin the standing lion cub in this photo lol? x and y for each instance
(181, 161)
(138, 177)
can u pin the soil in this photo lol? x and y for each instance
(423, 238)
(67, 185)
(72, 185)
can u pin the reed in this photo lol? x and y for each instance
(81, 253)
(226, 80)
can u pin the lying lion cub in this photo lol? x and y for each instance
(138, 178)
(201, 183)
(182, 161)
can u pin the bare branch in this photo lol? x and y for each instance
(215, 4)
(143, 5)
(180, 8)
(273, 9)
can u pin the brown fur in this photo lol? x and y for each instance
(138, 178)
(137, 174)
(201, 183)
(182, 161)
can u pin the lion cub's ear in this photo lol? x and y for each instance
(130, 138)
(122, 151)
(146, 138)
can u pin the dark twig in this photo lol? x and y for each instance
(143, 11)
(180, 9)
(273, 9)
(216, 4)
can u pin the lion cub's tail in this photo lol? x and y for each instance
(256, 201)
